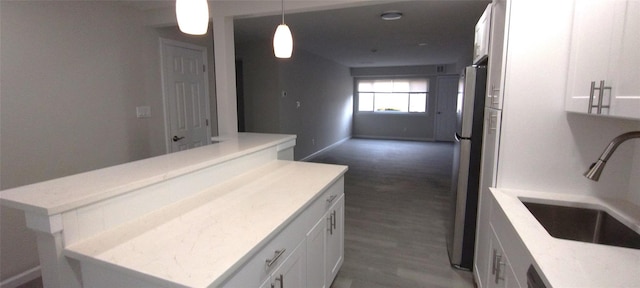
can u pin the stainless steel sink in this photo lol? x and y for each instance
(583, 224)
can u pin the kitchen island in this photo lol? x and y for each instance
(195, 218)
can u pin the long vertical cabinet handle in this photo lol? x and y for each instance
(500, 272)
(497, 268)
(591, 94)
(330, 227)
(494, 262)
(601, 97)
(600, 105)
(281, 280)
(495, 98)
(333, 220)
(493, 123)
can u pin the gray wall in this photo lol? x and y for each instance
(72, 74)
(400, 126)
(322, 88)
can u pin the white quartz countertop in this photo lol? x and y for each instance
(62, 194)
(566, 263)
(199, 241)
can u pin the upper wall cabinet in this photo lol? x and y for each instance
(604, 67)
(481, 39)
(496, 65)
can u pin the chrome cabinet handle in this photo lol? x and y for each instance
(601, 96)
(591, 93)
(333, 220)
(494, 262)
(495, 98)
(331, 198)
(600, 105)
(500, 272)
(275, 258)
(493, 123)
(176, 138)
(281, 280)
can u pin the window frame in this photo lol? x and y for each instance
(356, 107)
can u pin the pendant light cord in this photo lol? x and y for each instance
(283, 12)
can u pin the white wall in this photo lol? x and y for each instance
(322, 87)
(543, 147)
(72, 73)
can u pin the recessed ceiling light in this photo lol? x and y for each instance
(422, 44)
(391, 15)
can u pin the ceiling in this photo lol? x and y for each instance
(430, 32)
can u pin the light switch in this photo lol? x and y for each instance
(143, 111)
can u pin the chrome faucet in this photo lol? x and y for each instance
(596, 168)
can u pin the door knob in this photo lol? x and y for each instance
(176, 138)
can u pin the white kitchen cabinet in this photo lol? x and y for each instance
(481, 38)
(496, 63)
(604, 59)
(325, 245)
(335, 239)
(491, 138)
(502, 258)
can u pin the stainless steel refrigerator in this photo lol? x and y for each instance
(466, 166)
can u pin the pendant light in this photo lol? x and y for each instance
(193, 16)
(282, 39)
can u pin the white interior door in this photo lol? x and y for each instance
(186, 95)
(446, 107)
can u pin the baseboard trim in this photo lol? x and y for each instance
(305, 159)
(394, 138)
(21, 278)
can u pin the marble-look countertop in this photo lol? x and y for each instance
(566, 263)
(63, 194)
(199, 241)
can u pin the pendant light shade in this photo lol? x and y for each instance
(193, 16)
(283, 42)
(282, 39)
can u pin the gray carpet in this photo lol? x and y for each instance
(396, 198)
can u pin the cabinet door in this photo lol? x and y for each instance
(496, 64)
(335, 239)
(626, 86)
(316, 249)
(591, 47)
(292, 273)
(481, 39)
(604, 59)
(487, 179)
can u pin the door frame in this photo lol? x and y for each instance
(439, 98)
(165, 107)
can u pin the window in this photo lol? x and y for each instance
(393, 95)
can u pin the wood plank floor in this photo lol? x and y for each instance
(396, 201)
